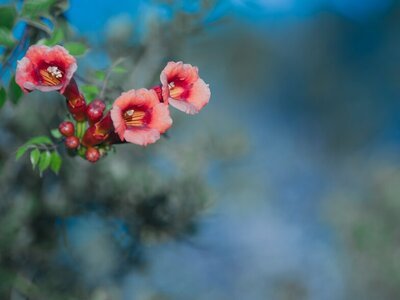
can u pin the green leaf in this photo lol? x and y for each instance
(39, 140)
(44, 162)
(60, 6)
(90, 92)
(8, 15)
(15, 91)
(3, 96)
(56, 133)
(39, 25)
(76, 48)
(35, 155)
(108, 106)
(56, 162)
(36, 8)
(21, 151)
(119, 70)
(56, 38)
(6, 37)
(100, 75)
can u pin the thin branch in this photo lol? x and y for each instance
(37, 25)
(84, 80)
(105, 82)
(7, 62)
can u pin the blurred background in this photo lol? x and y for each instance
(285, 186)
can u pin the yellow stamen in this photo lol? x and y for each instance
(175, 91)
(134, 117)
(48, 78)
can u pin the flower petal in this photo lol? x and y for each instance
(142, 136)
(198, 98)
(38, 56)
(199, 94)
(160, 118)
(118, 121)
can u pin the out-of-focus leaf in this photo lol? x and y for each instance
(8, 15)
(56, 133)
(108, 106)
(15, 91)
(56, 162)
(35, 155)
(3, 96)
(119, 70)
(21, 151)
(100, 75)
(60, 6)
(45, 160)
(6, 37)
(39, 140)
(76, 48)
(39, 25)
(36, 8)
(56, 38)
(90, 92)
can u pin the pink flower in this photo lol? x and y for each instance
(45, 69)
(139, 117)
(183, 89)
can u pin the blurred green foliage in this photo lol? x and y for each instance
(152, 203)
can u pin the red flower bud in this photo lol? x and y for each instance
(92, 154)
(94, 111)
(99, 132)
(77, 107)
(158, 90)
(75, 101)
(72, 142)
(66, 128)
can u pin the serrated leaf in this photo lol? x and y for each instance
(100, 75)
(45, 160)
(35, 155)
(15, 91)
(76, 48)
(6, 37)
(8, 15)
(119, 70)
(56, 133)
(56, 38)
(56, 162)
(3, 96)
(21, 151)
(36, 8)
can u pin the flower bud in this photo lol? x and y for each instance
(72, 142)
(76, 103)
(94, 111)
(66, 128)
(99, 132)
(159, 92)
(92, 154)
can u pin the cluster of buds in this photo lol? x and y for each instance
(136, 116)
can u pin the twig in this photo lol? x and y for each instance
(10, 57)
(84, 80)
(37, 25)
(103, 89)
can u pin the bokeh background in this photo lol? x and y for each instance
(286, 186)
